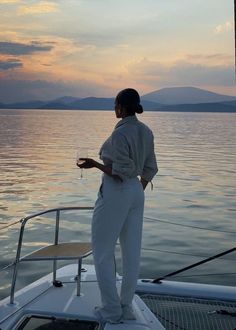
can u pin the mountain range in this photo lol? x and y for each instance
(165, 99)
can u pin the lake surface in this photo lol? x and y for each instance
(195, 187)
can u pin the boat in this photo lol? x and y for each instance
(67, 297)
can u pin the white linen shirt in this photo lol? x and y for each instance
(130, 150)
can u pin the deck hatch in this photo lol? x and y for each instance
(36, 322)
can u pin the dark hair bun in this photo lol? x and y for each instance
(129, 98)
(139, 109)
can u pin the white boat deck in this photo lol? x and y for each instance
(41, 305)
(186, 305)
(42, 298)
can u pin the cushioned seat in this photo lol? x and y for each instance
(62, 251)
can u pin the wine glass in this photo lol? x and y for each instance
(81, 153)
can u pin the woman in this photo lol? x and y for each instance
(127, 154)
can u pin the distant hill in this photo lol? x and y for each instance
(93, 103)
(2, 105)
(166, 99)
(23, 105)
(201, 107)
(232, 103)
(185, 95)
(66, 100)
(88, 103)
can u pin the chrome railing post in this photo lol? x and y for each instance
(79, 276)
(56, 242)
(13, 284)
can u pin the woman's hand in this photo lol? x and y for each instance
(144, 183)
(87, 163)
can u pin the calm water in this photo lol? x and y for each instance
(196, 186)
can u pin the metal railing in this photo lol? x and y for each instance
(56, 237)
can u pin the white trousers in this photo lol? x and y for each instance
(118, 213)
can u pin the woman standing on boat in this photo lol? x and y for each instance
(127, 154)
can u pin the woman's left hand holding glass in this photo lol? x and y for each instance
(90, 163)
(87, 163)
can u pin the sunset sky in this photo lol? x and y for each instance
(85, 48)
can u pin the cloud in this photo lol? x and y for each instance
(210, 59)
(217, 56)
(15, 48)
(13, 90)
(9, 1)
(10, 64)
(43, 7)
(182, 72)
(198, 74)
(225, 27)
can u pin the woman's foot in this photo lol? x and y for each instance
(128, 313)
(104, 316)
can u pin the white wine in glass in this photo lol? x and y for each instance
(81, 153)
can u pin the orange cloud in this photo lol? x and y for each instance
(227, 26)
(9, 1)
(42, 7)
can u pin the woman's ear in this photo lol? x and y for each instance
(118, 111)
